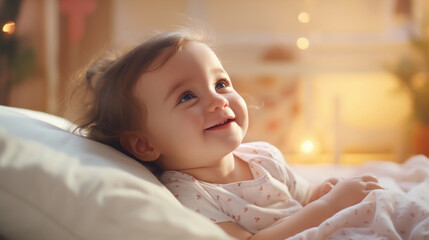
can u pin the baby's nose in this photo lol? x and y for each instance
(218, 102)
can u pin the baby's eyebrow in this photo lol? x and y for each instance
(218, 70)
(174, 88)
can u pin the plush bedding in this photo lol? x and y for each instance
(399, 212)
(57, 185)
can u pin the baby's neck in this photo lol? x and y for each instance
(231, 169)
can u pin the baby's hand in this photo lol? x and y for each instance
(323, 188)
(351, 191)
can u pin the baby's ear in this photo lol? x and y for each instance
(136, 144)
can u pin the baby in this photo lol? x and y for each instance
(169, 103)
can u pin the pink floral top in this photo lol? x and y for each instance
(274, 193)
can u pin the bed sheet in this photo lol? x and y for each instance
(400, 211)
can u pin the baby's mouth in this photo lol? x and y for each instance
(224, 123)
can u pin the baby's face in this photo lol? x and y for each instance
(194, 117)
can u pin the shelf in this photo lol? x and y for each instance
(345, 159)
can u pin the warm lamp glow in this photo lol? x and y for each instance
(419, 80)
(303, 43)
(304, 17)
(9, 27)
(307, 146)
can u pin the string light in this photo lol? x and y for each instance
(304, 17)
(303, 43)
(9, 27)
(308, 145)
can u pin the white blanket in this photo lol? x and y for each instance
(400, 211)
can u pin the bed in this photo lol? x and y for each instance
(58, 185)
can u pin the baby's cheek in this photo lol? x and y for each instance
(160, 128)
(189, 127)
(183, 123)
(194, 119)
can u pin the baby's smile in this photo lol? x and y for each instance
(221, 125)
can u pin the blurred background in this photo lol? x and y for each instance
(326, 81)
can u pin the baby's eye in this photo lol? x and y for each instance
(186, 97)
(221, 84)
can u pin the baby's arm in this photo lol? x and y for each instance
(344, 194)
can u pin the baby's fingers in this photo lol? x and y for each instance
(333, 181)
(369, 178)
(372, 186)
(327, 188)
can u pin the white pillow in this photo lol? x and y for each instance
(57, 185)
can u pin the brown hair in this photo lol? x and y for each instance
(106, 106)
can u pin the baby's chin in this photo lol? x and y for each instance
(233, 143)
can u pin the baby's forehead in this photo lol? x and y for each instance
(190, 56)
(190, 47)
